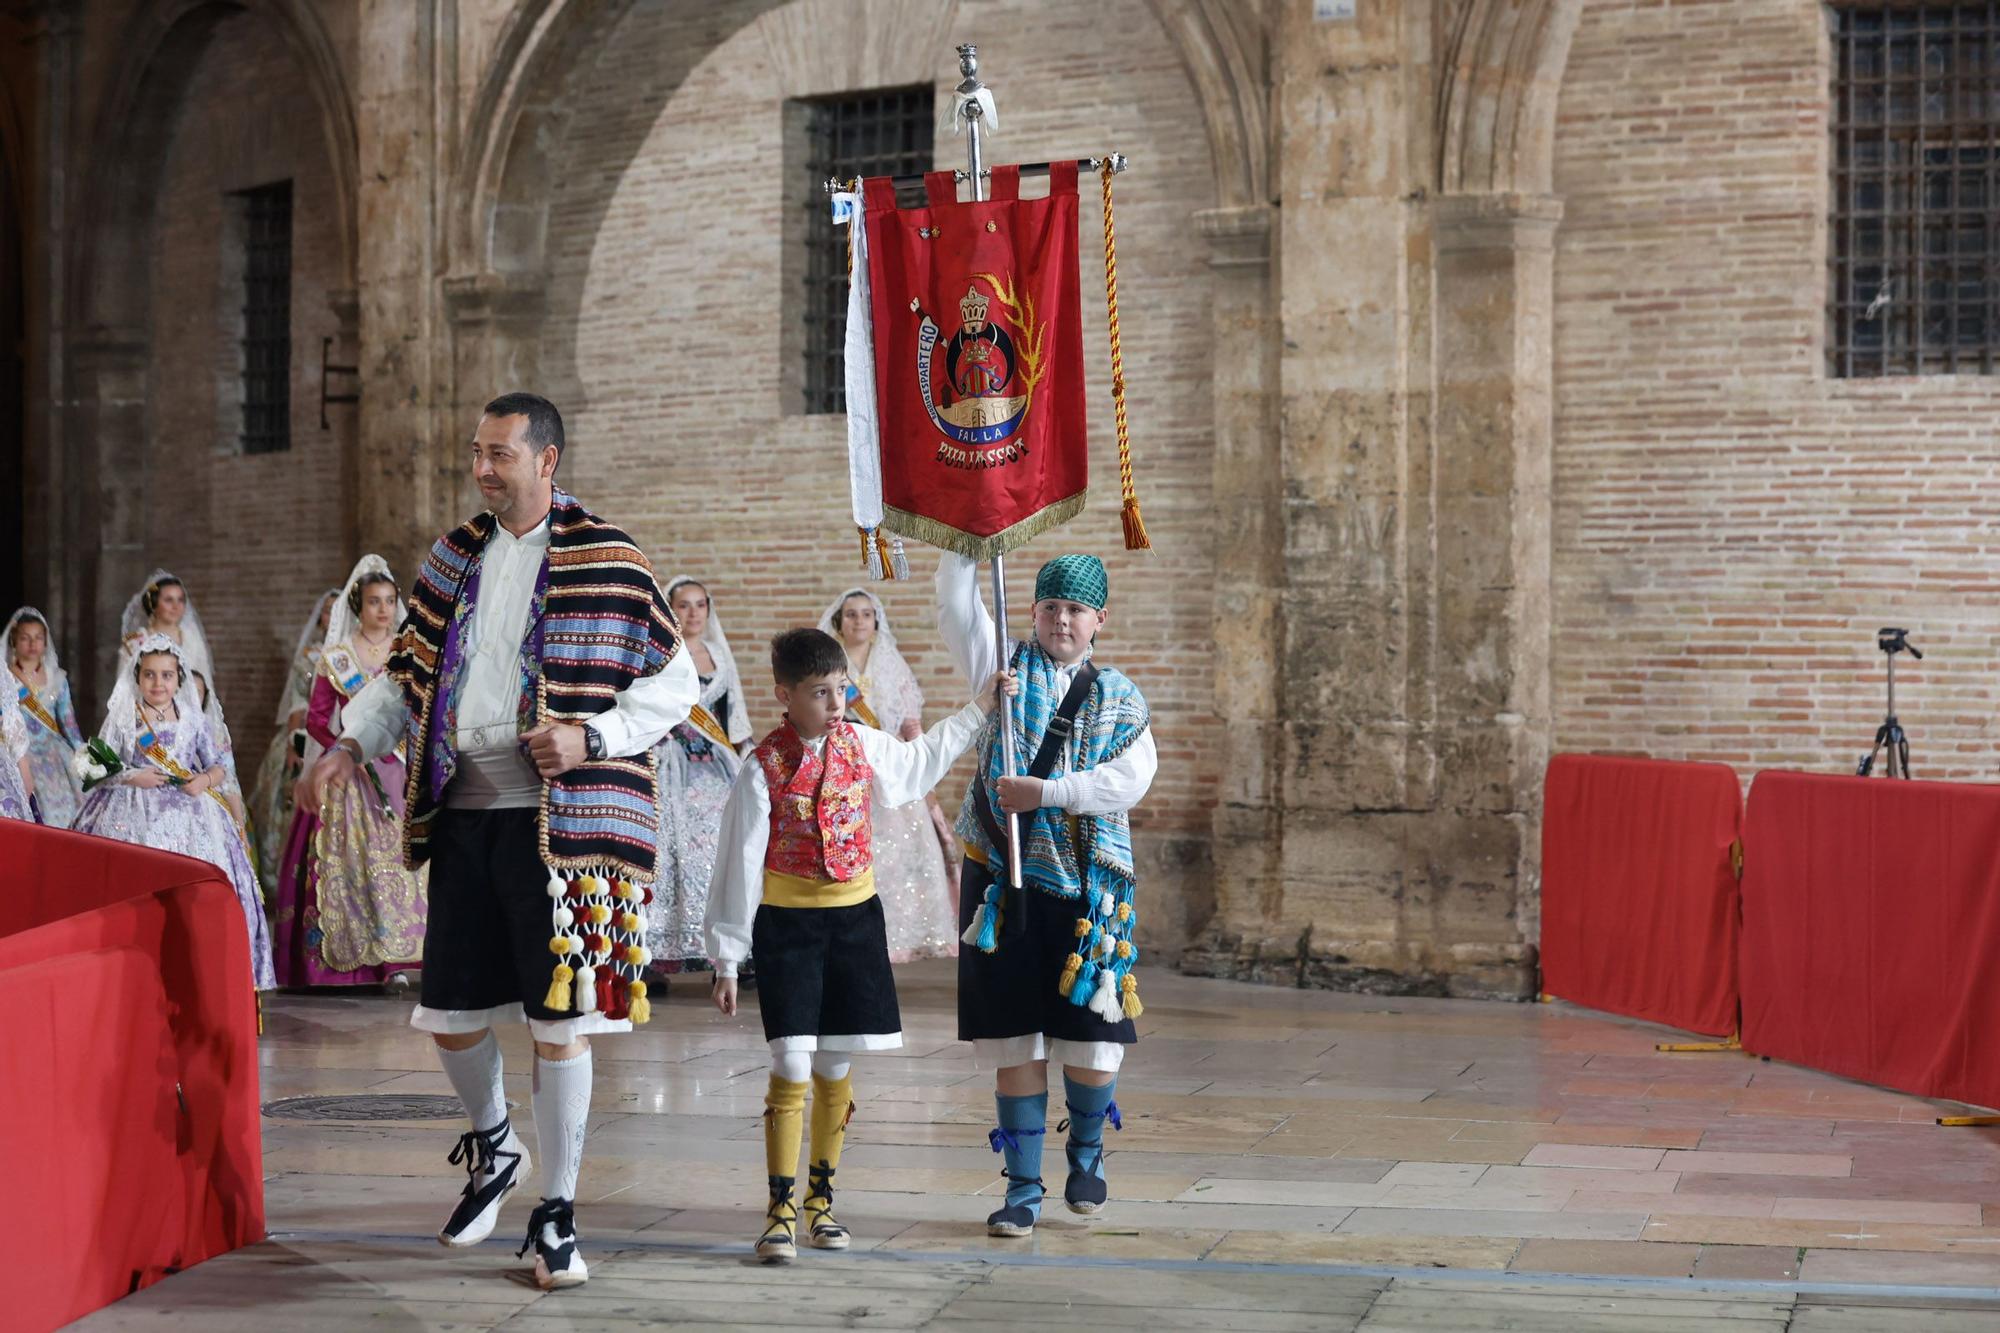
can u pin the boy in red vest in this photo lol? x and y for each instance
(794, 886)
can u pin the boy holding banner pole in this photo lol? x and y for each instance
(1049, 974)
(966, 429)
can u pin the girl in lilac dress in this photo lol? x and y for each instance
(168, 795)
(347, 911)
(41, 688)
(17, 780)
(698, 763)
(163, 606)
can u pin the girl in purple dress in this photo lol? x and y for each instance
(347, 911)
(168, 794)
(41, 688)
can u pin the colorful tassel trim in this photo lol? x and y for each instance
(1135, 527)
(1085, 984)
(1097, 975)
(1105, 1002)
(558, 996)
(984, 932)
(883, 557)
(599, 946)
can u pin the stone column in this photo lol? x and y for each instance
(1377, 825)
(108, 373)
(1494, 440)
(1345, 303)
(400, 461)
(342, 418)
(496, 333)
(57, 559)
(1248, 527)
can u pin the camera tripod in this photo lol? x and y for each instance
(1889, 736)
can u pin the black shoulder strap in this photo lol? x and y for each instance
(1064, 722)
(1060, 727)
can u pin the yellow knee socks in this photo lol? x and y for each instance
(784, 1110)
(833, 1106)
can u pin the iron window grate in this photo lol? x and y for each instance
(267, 318)
(886, 132)
(1913, 287)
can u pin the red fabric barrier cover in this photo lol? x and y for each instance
(128, 1080)
(1639, 897)
(1871, 931)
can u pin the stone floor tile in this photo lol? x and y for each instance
(1748, 1263)
(1434, 1173)
(1588, 1155)
(1492, 1223)
(1636, 1258)
(1955, 1270)
(1881, 1210)
(1758, 1163)
(1285, 1247)
(1665, 1205)
(1582, 1178)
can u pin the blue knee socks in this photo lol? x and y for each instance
(1089, 1108)
(1024, 1123)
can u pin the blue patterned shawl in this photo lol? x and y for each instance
(1091, 865)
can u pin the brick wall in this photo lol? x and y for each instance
(667, 288)
(256, 538)
(1731, 525)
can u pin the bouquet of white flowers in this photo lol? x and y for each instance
(95, 763)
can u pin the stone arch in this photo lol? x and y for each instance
(517, 119)
(136, 123)
(1500, 67)
(107, 295)
(1224, 47)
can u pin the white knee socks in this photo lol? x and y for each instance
(475, 1077)
(562, 1115)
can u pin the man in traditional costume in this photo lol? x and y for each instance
(1048, 976)
(539, 666)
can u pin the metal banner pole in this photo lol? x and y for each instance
(969, 86)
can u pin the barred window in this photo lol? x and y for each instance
(886, 132)
(1915, 210)
(266, 232)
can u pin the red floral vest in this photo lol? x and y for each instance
(819, 810)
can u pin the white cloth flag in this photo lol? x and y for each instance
(864, 438)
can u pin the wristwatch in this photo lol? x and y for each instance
(593, 744)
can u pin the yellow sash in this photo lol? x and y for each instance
(33, 708)
(172, 768)
(781, 890)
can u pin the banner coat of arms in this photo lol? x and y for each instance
(977, 343)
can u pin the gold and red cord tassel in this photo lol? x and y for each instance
(1135, 525)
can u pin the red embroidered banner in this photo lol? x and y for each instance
(978, 361)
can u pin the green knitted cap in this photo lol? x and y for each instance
(1074, 578)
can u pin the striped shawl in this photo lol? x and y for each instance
(604, 625)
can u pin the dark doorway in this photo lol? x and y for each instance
(13, 391)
